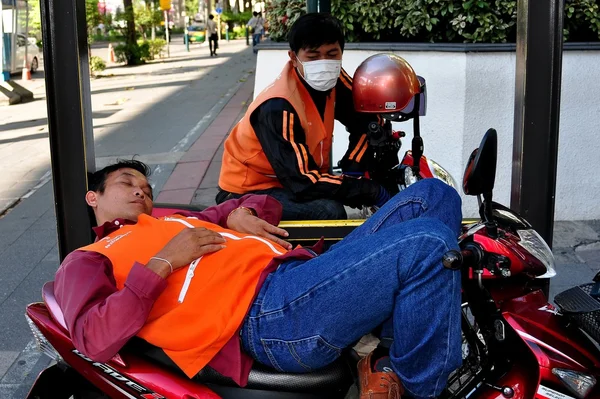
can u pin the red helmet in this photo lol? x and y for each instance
(385, 84)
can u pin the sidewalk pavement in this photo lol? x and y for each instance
(170, 95)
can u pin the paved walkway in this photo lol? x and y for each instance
(154, 110)
(194, 179)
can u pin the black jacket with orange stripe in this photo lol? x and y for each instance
(268, 123)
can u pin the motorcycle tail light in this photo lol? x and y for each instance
(578, 383)
(42, 343)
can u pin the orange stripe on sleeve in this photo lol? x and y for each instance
(333, 176)
(285, 123)
(299, 157)
(306, 170)
(328, 180)
(362, 152)
(345, 81)
(348, 77)
(358, 146)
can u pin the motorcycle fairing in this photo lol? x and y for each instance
(551, 340)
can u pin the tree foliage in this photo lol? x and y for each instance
(440, 21)
(146, 16)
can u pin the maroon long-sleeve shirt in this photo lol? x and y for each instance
(101, 319)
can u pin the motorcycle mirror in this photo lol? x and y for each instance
(480, 173)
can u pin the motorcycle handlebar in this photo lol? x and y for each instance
(470, 256)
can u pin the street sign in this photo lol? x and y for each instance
(219, 10)
(165, 5)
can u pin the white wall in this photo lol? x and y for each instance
(467, 93)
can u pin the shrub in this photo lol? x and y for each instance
(156, 47)
(97, 64)
(240, 18)
(441, 21)
(281, 14)
(582, 20)
(135, 54)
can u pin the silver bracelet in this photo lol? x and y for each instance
(164, 260)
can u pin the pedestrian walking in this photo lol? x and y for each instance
(213, 37)
(256, 24)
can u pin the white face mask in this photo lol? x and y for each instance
(322, 75)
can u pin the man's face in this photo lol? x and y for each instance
(324, 52)
(127, 195)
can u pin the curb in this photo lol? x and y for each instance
(190, 170)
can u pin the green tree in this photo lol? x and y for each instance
(35, 19)
(93, 18)
(146, 16)
(130, 52)
(191, 7)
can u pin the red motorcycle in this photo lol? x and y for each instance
(515, 343)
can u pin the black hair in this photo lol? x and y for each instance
(314, 30)
(211, 16)
(97, 180)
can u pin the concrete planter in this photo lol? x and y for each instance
(470, 89)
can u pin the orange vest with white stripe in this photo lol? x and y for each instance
(246, 168)
(204, 303)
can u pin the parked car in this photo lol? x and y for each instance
(33, 53)
(196, 33)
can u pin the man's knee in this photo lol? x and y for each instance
(330, 209)
(437, 231)
(438, 191)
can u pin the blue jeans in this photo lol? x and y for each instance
(256, 38)
(387, 270)
(318, 209)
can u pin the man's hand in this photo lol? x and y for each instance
(241, 220)
(185, 247)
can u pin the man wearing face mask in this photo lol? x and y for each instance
(282, 145)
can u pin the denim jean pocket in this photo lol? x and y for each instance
(300, 356)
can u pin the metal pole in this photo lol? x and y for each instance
(167, 36)
(325, 6)
(69, 117)
(537, 108)
(219, 27)
(312, 5)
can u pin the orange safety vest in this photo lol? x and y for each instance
(205, 303)
(246, 168)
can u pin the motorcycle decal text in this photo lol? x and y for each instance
(547, 393)
(145, 392)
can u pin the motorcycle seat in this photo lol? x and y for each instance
(52, 305)
(332, 381)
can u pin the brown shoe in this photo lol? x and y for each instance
(377, 385)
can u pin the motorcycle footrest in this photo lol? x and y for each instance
(577, 300)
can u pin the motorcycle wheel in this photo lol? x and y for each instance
(473, 353)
